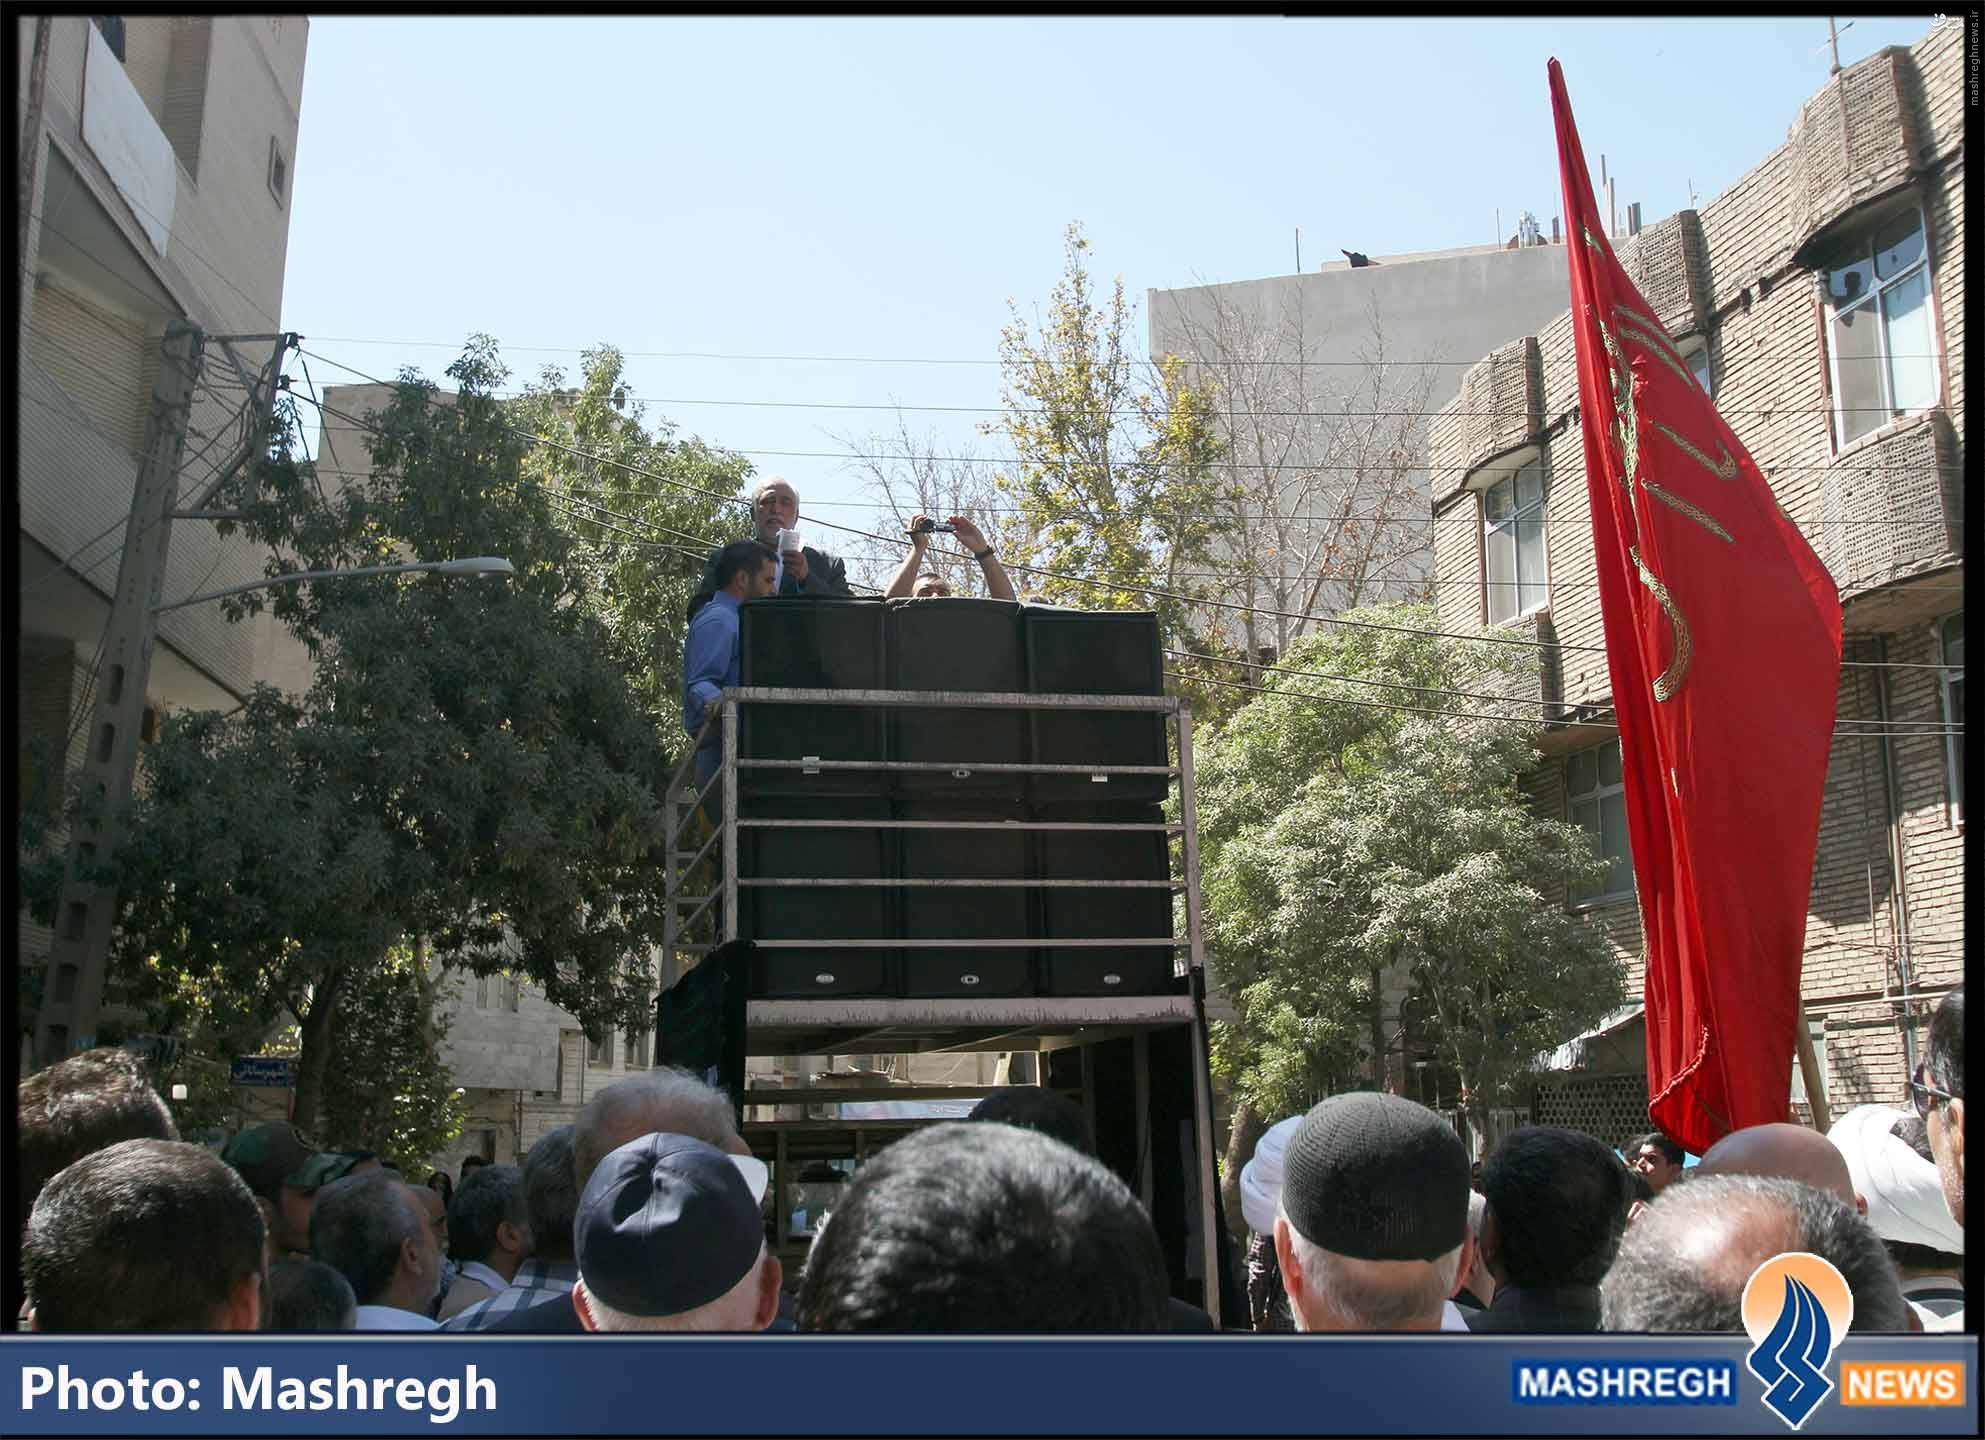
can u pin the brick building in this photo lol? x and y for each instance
(161, 148)
(1820, 299)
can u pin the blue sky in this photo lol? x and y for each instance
(881, 187)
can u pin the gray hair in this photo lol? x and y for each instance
(671, 1101)
(768, 482)
(357, 1227)
(551, 1194)
(492, 1195)
(1658, 1283)
(735, 1309)
(1351, 1292)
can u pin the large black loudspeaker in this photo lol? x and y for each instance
(952, 912)
(1095, 652)
(957, 644)
(822, 913)
(812, 643)
(1086, 914)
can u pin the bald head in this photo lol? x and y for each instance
(1789, 1152)
(1684, 1264)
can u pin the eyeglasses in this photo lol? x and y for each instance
(1922, 1093)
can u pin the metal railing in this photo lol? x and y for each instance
(683, 804)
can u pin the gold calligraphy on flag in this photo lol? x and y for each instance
(1629, 326)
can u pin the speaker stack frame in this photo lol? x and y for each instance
(1066, 825)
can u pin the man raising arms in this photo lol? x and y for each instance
(907, 581)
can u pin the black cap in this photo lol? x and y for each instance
(666, 1224)
(1377, 1177)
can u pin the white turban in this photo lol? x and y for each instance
(1261, 1177)
(1904, 1194)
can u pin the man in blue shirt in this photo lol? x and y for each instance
(745, 570)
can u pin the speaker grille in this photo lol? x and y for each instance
(812, 643)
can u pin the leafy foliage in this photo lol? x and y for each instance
(644, 507)
(1342, 835)
(393, 1094)
(471, 763)
(1114, 468)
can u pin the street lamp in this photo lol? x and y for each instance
(477, 565)
(78, 960)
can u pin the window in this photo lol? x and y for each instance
(1696, 355)
(1513, 543)
(112, 27)
(1951, 635)
(1816, 1028)
(600, 1051)
(1597, 800)
(1879, 339)
(278, 171)
(637, 1050)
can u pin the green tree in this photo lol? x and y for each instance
(470, 767)
(645, 508)
(393, 1094)
(1346, 838)
(1115, 473)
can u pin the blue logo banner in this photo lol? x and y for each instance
(831, 1385)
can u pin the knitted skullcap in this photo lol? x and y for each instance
(1377, 1177)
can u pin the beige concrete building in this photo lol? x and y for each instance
(1821, 301)
(162, 149)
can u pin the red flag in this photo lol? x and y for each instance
(1723, 639)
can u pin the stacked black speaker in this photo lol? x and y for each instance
(954, 645)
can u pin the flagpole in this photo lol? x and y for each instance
(1809, 1070)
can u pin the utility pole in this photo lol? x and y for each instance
(79, 958)
(1833, 43)
(31, 153)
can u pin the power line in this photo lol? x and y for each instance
(893, 360)
(1012, 565)
(1315, 619)
(1384, 685)
(179, 246)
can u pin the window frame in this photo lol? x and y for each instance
(599, 1053)
(1689, 350)
(1864, 231)
(1953, 719)
(1816, 1028)
(1599, 793)
(1507, 472)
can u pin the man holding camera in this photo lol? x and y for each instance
(908, 581)
(801, 569)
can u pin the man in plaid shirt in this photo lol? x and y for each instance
(551, 1198)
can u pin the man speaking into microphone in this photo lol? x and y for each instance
(802, 569)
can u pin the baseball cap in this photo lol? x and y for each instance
(274, 1154)
(1377, 1177)
(669, 1223)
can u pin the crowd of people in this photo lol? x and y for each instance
(648, 1213)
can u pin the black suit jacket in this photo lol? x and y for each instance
(826, 574)
(1570, 1309)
